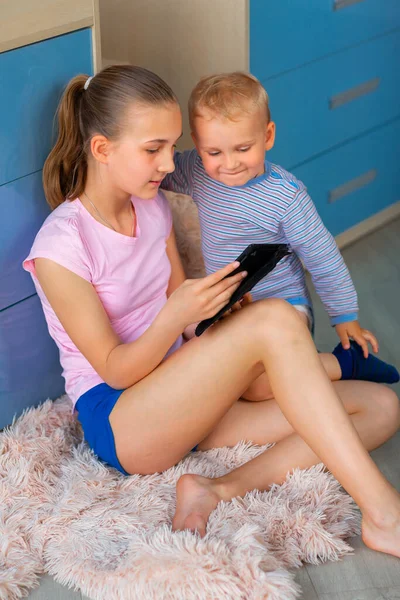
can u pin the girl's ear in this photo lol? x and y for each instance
(270, 135)
(100, 148)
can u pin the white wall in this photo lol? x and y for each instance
(181, 40)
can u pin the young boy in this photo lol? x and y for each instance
(244, 199)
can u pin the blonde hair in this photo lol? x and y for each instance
(228, 94)
(89, 106)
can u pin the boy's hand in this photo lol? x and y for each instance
(353, 330)
(189, 332)
(247, 299)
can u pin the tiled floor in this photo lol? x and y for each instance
(375, 266)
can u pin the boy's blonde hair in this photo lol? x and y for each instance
(228, 94)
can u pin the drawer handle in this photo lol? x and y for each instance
(354, 93)
(352, 186)
(338, 4)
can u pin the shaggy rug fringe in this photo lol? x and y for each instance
(63, 512)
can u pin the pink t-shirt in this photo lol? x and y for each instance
(129, 274)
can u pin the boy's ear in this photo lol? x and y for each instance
(194, 139)
(270, 135)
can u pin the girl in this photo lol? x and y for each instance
(107, 270)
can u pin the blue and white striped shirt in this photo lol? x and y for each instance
(272, 208)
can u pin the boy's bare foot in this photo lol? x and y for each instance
(196, 498)
(382, 535)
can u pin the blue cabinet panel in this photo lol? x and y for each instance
(23, 209)
(30, 370)
(32, 79)
(285, 34)
(333, 100)
(356, 180)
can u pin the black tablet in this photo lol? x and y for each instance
(258, 260)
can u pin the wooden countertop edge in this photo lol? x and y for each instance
(44, 34)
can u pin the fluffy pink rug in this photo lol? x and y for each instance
(65, 513)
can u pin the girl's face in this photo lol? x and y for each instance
(139, 160)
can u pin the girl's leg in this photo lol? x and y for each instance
(375, 412)
(260, 389)
(329, 361)
(157, 421)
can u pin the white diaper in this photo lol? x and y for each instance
(306, 310)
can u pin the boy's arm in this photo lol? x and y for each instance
(310, 239)
(313, 243)
(181, 180)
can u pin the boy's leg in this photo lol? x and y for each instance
(340, 365)
(353, 365)
(350, 364)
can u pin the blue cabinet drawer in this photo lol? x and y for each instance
(30, 370)
(335, 99)
(357, 180)
(23, 209)
(32, 79)
(286, 34)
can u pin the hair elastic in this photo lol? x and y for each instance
(88, 80)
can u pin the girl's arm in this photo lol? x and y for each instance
(177, 273)
(78, 307)
(177, 277)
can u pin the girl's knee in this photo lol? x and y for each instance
(387, 410)
(390, 405)
(276, 313)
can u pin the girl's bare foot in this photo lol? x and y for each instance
(382, 534)
(196, 498)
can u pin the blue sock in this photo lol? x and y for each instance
(355, 366)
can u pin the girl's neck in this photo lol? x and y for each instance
(109, 206)
(111, 202)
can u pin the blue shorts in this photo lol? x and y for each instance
(94, 408)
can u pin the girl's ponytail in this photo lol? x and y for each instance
(64, 172)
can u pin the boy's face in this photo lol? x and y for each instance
(233, 152)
